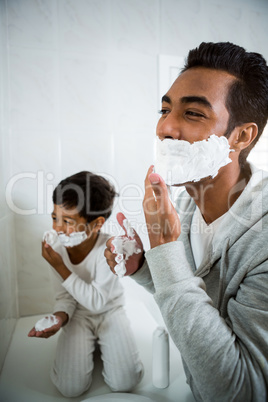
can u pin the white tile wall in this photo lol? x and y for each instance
(182, 26)
(32, 24)
(8, 284)
(84, 25)
(79, 85)
(8, 280)
(83, 92)
(33, 89)
(135, 26)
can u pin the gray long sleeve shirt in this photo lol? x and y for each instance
(217, 315)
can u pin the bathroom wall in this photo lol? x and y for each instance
(79, 91)
(8, 283)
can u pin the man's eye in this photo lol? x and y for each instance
(163, 111)
(195, 114)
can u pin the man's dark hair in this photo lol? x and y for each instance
(92, 195)
(247, 99)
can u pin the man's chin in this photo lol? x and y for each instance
(193, 182)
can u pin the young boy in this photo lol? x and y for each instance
(89, 298)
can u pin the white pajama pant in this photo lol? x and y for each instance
(73, 364)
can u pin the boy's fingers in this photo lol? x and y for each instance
(32, 332)
(52, 329)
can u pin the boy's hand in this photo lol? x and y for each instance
(46, 333)
(52, 257)
(55, 260)
(163, 223)
(135, 261)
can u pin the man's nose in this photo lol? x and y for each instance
(168, 128)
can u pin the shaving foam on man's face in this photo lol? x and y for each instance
(179, 161)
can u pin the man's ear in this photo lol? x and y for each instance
(244, 135)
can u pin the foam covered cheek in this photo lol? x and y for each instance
(179, 162)
(50, 237)
(74, 239)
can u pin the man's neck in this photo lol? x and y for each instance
(214, 197)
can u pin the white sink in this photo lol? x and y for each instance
(118, 397)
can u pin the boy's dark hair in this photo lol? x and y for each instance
(92, 195)
(247, 99)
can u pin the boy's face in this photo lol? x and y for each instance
(68, 220)
(194, 107)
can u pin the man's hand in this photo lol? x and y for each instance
(46, 333)
(135, 261)
(162, 219)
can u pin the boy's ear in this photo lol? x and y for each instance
(97, 223)
(244, 136)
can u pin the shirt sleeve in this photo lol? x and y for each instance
(226, 358)
(103, 288)
(63, 300)
(144, 278)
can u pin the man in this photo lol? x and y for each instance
(208, 266)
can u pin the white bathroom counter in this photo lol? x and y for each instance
(25, 375)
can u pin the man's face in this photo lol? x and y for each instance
(194, 107)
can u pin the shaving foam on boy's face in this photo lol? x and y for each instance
(179, 161)
(74, 239)
(69, 227)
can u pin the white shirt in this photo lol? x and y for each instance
(201, 235)
(91, 288)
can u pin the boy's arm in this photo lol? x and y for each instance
(70, 288)
(64, 302)
(101, 290)
(62, 316)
